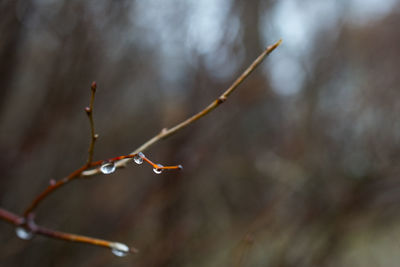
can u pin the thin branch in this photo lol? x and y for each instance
(52, 187)
(222, 98)
(117, 162)
(77, 174)
(30, 226)
(83, 239)
(10, 217)
(89, 112)
(90, 164)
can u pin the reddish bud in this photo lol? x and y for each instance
(93, 86)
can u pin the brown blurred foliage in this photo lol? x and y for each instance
(305, 179)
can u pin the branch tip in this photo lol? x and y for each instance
(93, 86)
(119, 246)
(273, 46)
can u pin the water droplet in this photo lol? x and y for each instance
(108, 167)
(23, 233)
(158, 170)
(139, 158)
(118, 253)
(119, 249)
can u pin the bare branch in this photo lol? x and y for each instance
(222, 98)
(88, 169)
(10, 217)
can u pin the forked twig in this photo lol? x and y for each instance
(27, 222)
(222, 98)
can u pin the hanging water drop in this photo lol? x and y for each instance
(119, 249)
(23, 233)
(118, 253)
(139, 158)
(108, 167)
(158, 170)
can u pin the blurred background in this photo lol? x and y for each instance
(298, 168)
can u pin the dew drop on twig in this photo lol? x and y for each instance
(118, 252)
(138, 159)
(107, 168)
(23, 233)
(158, 170)
(120, 249)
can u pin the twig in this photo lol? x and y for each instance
(77, 174)
(11, 217)
(89, 112)
(88, 169)
(32, 228)
(52, 187)
(222, 98)
(82, 239)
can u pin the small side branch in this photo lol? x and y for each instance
(116, 246)
(52, 187)
(32, 228)
(89, 112)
